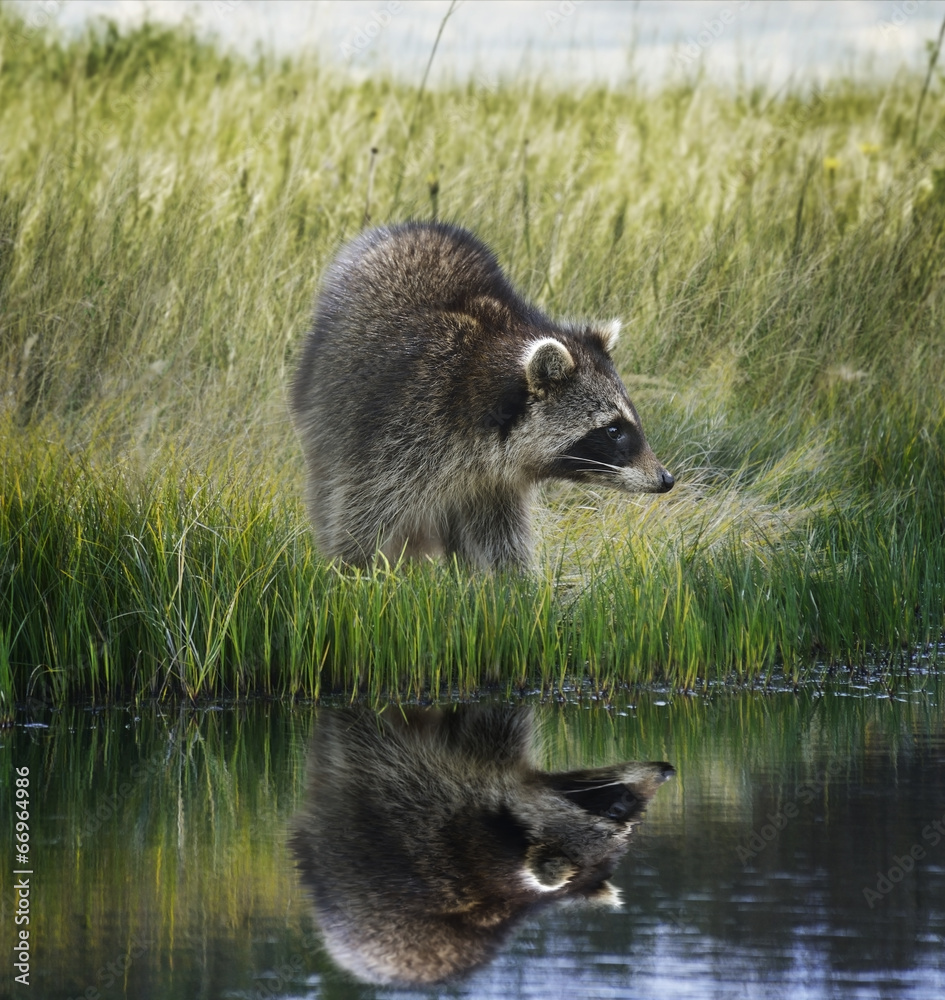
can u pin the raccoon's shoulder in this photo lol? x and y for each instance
(433, 265)
(495, 735)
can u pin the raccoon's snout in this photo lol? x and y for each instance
(660, 481)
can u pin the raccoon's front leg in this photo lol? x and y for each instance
(419, 539)
(493, 535)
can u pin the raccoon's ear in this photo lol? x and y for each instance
(609, 333)
(547, 361)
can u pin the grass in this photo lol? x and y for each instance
(165, 211)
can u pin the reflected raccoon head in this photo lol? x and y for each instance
(426, 835)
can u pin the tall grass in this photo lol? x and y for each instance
(165, 211)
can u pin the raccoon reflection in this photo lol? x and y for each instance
(426, 835)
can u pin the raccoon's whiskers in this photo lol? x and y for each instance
(592, 788)
(604, 466)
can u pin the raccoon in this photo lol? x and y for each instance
(431, 400)
(427, 835)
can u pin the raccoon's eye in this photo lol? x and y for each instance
(614, 432)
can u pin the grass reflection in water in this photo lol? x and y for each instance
(161, 865)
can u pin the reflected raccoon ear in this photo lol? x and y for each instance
(547, 361)
(606, 895)
(609, 332)
(547, 870)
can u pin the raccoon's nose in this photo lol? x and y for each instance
(667, 481)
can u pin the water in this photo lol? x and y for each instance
(798, 852)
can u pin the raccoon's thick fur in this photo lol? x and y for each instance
(426, 835)
(431, 400)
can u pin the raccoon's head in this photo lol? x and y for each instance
(580, 828)
(587, 428)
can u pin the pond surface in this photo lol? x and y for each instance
(798, 852)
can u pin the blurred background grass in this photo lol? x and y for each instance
(165, 212)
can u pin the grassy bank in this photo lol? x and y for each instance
(165, 212)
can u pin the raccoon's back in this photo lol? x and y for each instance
(411, 269)
(407, 309)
